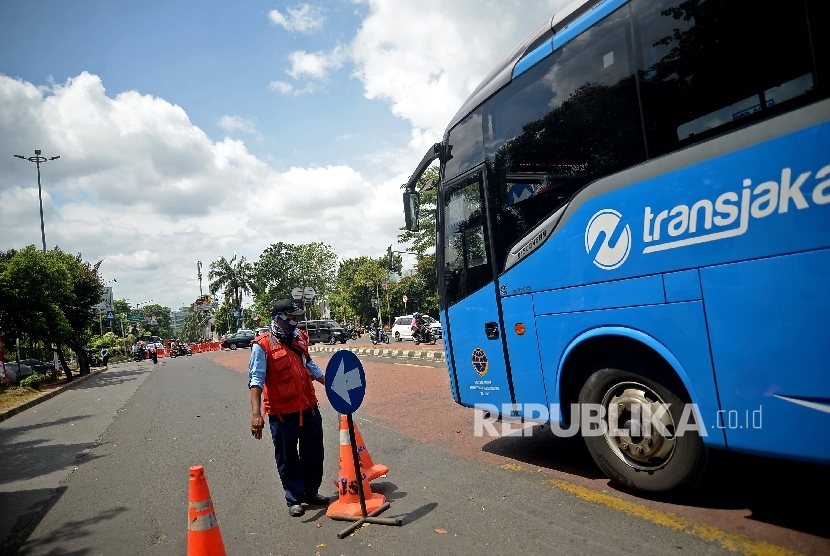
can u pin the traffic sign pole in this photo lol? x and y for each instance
(345, 390)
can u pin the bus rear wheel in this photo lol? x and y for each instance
(655, 460)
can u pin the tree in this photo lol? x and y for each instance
(190, 330)
(49, 297)
(87, 288)
(234, 278)
(162, 327)
(284, 266)
(422, 287)
(423, 240)
(33, 287)
(360, 280)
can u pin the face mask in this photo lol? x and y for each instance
(283, 325)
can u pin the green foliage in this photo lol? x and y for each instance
(32, 381)
(163, 326)
(108, 340)
(234, 277)
(424, 240)
(34, 289)
(190, 329)
(284, 266)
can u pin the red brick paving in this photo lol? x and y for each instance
(416, 401)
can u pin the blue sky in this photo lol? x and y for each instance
(191, 130)
(213, 59)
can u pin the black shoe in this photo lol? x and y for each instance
(317, 500)
(296, 510)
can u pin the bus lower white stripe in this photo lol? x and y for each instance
(812, 405)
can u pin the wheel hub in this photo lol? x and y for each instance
(639, 416)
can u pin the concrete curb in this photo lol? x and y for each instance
(425, 355)
(48, 395)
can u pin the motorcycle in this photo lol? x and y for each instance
(373, 336)
(424, 335)
(139, 355)
(180, 350)
(352, 333)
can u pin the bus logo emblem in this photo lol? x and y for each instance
(479, 361)
(609, 247)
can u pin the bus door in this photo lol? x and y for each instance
(478, 369)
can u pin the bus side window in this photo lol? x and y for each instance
(465, 250)
(570, 120)
(467, 147)
(708, 67)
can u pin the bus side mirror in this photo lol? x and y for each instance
(411, 204)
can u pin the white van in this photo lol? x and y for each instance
(402, 328)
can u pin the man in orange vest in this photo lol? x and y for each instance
(280, 373)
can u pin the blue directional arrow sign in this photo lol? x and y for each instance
(345, 382)
(110, 316)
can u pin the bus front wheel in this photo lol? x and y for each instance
(650, 457)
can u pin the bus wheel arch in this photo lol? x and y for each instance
(620, 370)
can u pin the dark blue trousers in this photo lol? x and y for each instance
(298, 451)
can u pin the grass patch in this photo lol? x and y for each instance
(12, 396)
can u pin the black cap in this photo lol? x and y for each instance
(287, 307)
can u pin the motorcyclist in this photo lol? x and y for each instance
(417, 325)
(374, 329)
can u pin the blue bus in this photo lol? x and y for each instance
(634, 212)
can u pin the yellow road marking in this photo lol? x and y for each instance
(731, 541)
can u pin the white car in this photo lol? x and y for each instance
(402, 329)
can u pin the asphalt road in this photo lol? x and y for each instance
(103, 469)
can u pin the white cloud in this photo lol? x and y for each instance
(304, 18)
(231, 123)
(425, 58)
(281, 87)
(138, 260)
(143, 189)
(315, 65)
(285, 88)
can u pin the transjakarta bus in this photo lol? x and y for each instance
(634, 211)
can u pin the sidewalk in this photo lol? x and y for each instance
(77, 379)
(42, 447)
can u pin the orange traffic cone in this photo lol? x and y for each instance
(372, 470)
(348, 502)
(203, 536)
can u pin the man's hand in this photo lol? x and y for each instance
(257, 424)
(321, 380)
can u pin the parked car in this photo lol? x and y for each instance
(402, 328)
(37, 366)
(324, 331)
(240, 339)
(15, 372)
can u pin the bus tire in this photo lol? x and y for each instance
(653, 463)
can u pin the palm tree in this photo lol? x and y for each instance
(233, 277)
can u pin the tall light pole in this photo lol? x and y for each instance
(199, 274)
(37, 159)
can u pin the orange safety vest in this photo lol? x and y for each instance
(288, 384)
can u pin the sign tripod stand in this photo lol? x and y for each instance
(364, 518)
(345, 389)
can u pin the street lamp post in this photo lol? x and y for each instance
(38, 159)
